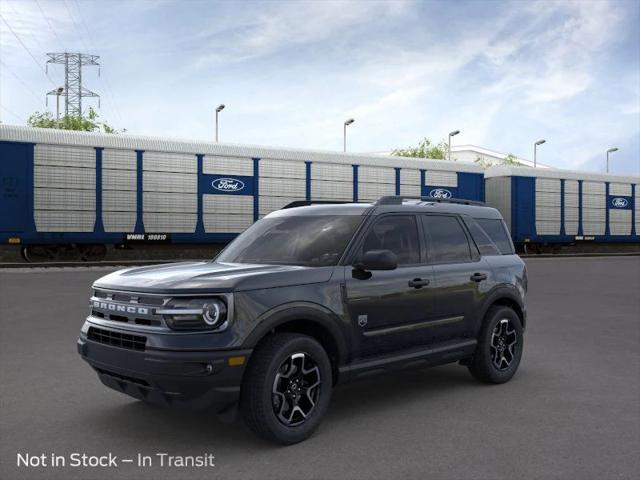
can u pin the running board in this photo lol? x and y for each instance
(438, 354)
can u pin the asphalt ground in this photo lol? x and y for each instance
(571, 412)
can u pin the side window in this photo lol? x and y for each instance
(484, 243)
(446, 239)
(497, 231)
(398, 233)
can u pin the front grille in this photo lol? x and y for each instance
(132, 308)
(117, 339)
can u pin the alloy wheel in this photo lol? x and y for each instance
(504, 342)
(296, 389)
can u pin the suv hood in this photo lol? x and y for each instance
(200, 277)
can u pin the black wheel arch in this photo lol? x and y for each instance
(506, 296)
(309, 319)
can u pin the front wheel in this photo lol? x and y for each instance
(499, 348)
(287, 388)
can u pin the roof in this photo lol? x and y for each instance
(130, 142)
(493, 153)
(475, 211)
(508, 171)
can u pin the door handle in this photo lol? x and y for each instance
(418, 283)
(478, 277)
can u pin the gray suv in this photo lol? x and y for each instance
(310, 297)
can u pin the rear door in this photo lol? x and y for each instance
(461, 275)
(13, 186)
(389, 308)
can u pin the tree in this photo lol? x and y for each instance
(510, 160)
(425, 149)
(90, 123)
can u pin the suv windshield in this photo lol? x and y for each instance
(313, 241)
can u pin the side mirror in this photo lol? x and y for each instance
(377, 260)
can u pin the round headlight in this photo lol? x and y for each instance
(214, 313)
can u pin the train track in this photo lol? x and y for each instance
(139, 263)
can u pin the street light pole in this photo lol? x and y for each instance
(218, 110)
(452, 134)
(344, 134)
(611, 150)
(535, 152)
(58, 93)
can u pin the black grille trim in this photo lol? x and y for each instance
(117, 339)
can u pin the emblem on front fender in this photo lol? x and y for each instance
(362, 320)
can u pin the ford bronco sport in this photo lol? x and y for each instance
(310, 297)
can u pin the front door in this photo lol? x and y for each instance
(389, 308)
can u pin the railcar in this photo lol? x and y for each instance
(547, 208)
(74, 193)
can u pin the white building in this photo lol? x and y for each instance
(471, 153)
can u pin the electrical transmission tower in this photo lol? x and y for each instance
(73, 91)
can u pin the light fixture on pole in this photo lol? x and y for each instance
(611, 150)
(218, 110)
(535, 152)
(451, 134)
(58, 93)
(344, 136)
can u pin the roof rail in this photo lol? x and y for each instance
(306, 203)
(398, 199)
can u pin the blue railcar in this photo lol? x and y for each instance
(555, 207)
(82, 191)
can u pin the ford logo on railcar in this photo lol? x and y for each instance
(440, 193)
(619, 202)
(228, 184)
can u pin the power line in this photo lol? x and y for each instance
(24, 84)
(27, 49)
(75, 25)
(44, 15)
(10, 112)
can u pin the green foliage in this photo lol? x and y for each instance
(90, 123)
(510, 159)
(425, 149)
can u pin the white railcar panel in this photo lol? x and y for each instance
(155, 222)
(170, 202)
(227, 204)
(571, 228)
(411, 190)
(271, 204)
(591, 188)
(549, 199)
(282, 169)
(373, 191)
(547, 227)
(64, 199)
(410, 176)
(65, 177)
(620, 189)
(594, 201)
(213, 164)
(119, 201)
(547, 185)
(283, 187)
(593, 228)
(64, 156)
(331, 171)
(382, 175)
(119, 159)
(119, 221)
(620, 222)
(169, 182)
(64, 221)
(594, 215)
(571, 186)
(571, 214)
(571, 200)
(119, 180)
(547, 213)
(331, 190)
(441, 179)
(169, 162)
(216, 223)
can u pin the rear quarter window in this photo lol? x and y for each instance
(498, 233)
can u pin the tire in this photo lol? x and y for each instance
(501, 342)
(278, 403)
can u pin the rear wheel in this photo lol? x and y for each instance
(287, 388)
(499, 347)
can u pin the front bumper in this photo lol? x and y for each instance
(195, 380)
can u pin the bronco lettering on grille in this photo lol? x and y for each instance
(115, 307)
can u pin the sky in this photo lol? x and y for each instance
(291, 72)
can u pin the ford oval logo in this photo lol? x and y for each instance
(440, 193)
(228, 184)
(619, 202)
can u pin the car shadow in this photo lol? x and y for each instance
(379, 395)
